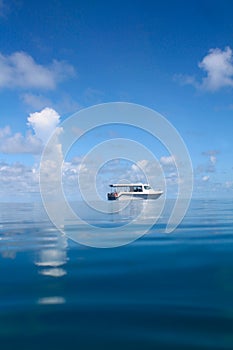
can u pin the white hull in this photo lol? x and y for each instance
(130, 195)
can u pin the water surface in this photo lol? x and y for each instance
(160, 292)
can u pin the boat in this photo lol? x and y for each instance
(133, 191)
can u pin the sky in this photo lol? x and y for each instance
(59, 57)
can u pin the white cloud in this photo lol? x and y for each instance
(147, 171)
(169, 160)
(168, 164)
(172, 179)
(159, 174)
(19, 144)
(205, 178)
(19, 178)
(213, 159)
(20, 70)
(218, 65)
(16, 178)
(44, 123)
(218, 68)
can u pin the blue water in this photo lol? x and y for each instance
(160, 292)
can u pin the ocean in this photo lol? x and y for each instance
(162, 291)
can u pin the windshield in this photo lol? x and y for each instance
(147, 187)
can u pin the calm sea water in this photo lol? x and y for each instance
(160, 292)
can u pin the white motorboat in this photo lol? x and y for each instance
(133, 191)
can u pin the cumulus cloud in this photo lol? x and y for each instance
(143, 167)
(42, 123)
(217, 66)
(21, 70)
(45, 124)
(17, 177)
(167, 161)
(169, 164)
(17, 143)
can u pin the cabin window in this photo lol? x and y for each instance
(137, 188)
(147, 187)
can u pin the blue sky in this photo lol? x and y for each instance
(175, 57)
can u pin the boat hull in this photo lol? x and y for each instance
(128, 195)
(135, 195)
